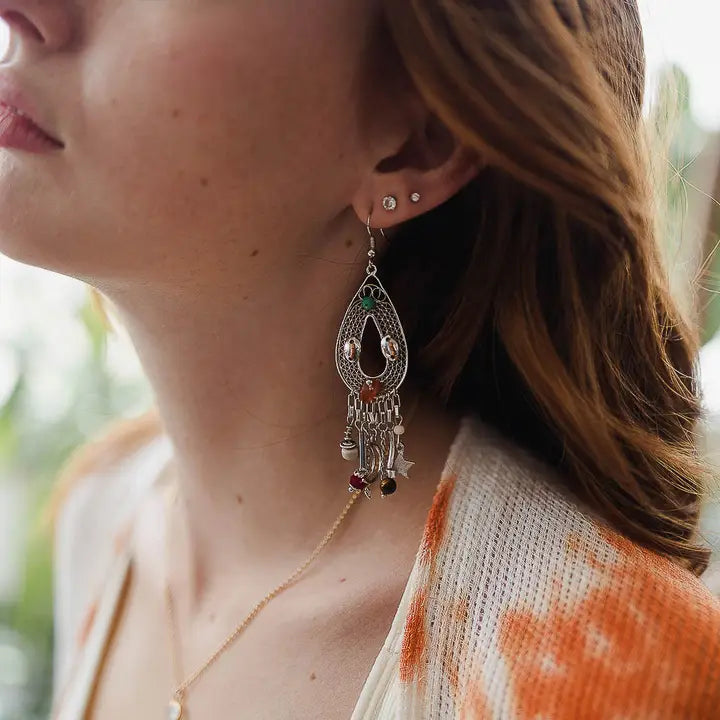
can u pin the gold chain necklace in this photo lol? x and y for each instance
(175, 706)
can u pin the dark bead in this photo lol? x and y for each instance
(388, 486)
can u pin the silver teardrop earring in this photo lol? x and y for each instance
(373, 403)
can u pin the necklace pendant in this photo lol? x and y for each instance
(174, 710)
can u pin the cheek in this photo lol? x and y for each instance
(205, 124)
(200, 132)
(173, 123)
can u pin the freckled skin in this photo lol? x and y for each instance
(219, 91)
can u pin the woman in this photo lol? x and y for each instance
(221, 171)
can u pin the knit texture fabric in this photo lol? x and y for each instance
(530, 607)
(521, 604)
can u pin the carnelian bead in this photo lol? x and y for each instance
(369, 390)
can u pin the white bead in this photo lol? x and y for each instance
(349, 453)
(398, 429)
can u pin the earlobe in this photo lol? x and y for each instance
(408, 193)
(388, 209)
(390, 204)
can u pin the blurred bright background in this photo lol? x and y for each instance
(63, 376)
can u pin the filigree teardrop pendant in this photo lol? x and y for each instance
(373, 400)
(371, 303)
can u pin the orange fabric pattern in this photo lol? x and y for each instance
(643, 643)
(612, 630)
(412, 656)
(86, 624)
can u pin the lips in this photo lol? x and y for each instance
(15, 103)
(20, 132)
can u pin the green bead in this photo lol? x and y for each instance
(368, 302)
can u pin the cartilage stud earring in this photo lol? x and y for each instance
(389, 202)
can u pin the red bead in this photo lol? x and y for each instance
(368, 392)
(357, 482)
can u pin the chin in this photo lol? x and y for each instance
(40, 246)
(34, 227)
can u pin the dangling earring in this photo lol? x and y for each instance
(373, 411)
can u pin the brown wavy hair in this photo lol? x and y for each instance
(537, 297)
(546, 308)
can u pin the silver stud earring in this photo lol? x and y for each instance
(389, 202)
(415, 197)
(373, 403)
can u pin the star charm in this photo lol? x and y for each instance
(402, 465)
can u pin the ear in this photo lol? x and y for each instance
(431, 162)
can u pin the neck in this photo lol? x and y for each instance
(246, 385)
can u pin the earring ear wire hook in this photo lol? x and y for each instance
(369, 230)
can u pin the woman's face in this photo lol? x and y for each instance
(196, 133)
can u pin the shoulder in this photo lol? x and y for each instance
(91, 522)
(579, 620)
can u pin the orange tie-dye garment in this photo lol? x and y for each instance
(528, 608)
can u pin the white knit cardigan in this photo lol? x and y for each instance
(521, 603)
